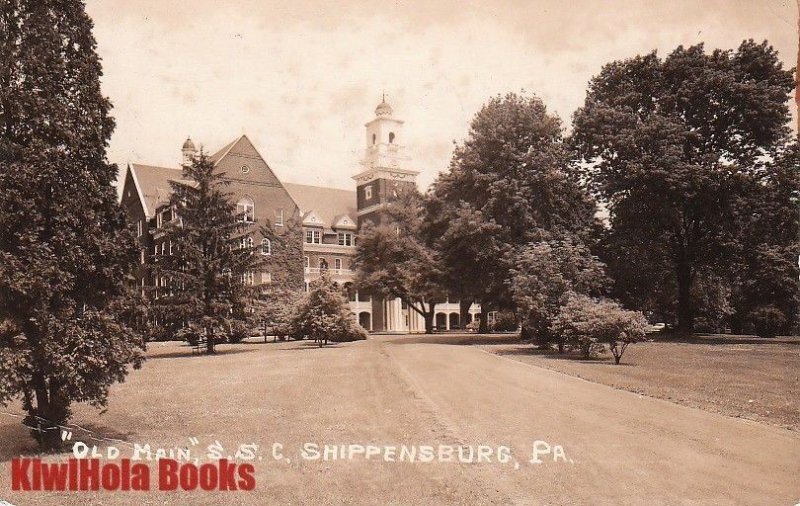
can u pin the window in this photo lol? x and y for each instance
(245, 169)
(368, 192)
(345, 239)
(163, 248)
(279, 217)
(337, 264)
(247, 278)
(266, 277)
(308, 262)
(305, 286)
(247, 242)
(323, 264)
(391, 137)
(374, 138)
(170, 248)
(313, 236)
(142, 257)
(139, 228)
(245, 210)
(266, 247)
(155, 249)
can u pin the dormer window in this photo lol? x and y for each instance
(345, 239)
(246, 210)
(313, 236)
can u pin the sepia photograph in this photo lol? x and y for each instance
(400, 252)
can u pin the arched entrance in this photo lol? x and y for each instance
(365, 320)
(454, 321)
(441, 321)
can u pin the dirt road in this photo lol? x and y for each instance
(618, 448)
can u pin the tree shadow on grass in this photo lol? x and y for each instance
(16, 440)
(460, 339)
(304, 344)
(531, 350)
(722, 339)
(188, 352)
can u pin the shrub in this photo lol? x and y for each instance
(189, 333)
(237, 332)
(505, 321)
(768, 321)
(323, 315)
(586, 324)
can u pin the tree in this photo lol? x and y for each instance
(587, 323)
(323, 315)
(769, 238)
(669, 145)
(545, 275)
(395, 259)
(207, 275)
(509, 179)
(65, 248)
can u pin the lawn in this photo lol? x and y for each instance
(740, 376)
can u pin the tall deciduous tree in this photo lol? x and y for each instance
(766, 294)
(509, 179)
(207, 275)
(669, 145)
(65, 250)
(393, 258)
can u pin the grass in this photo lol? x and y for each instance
(740, 376)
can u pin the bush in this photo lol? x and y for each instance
(323, 315)
(768, 321)
(505, 321)
(189, 333)
(587, 324)
(237, 331)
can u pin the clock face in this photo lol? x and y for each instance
(245, 169)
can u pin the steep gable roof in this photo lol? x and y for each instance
(153, 183)
(329, 204)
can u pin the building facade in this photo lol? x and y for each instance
(325, 220)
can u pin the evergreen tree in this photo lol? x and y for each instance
(507, 181)
(65, 249)
(212, 260)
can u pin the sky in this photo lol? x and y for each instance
(301, 78)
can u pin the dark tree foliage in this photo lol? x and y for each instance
(395, 259)
(766, 294)
(508, 180)
(670, 146)
(65, 249)
(206, 278)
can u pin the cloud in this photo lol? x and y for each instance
(302, 78)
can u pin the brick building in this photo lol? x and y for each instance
(329, 218)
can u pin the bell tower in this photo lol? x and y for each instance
(385, 165)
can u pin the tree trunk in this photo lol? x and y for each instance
(209, 340)
(463, 312)
(429, 316)
(484, 322)
(685, 309)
